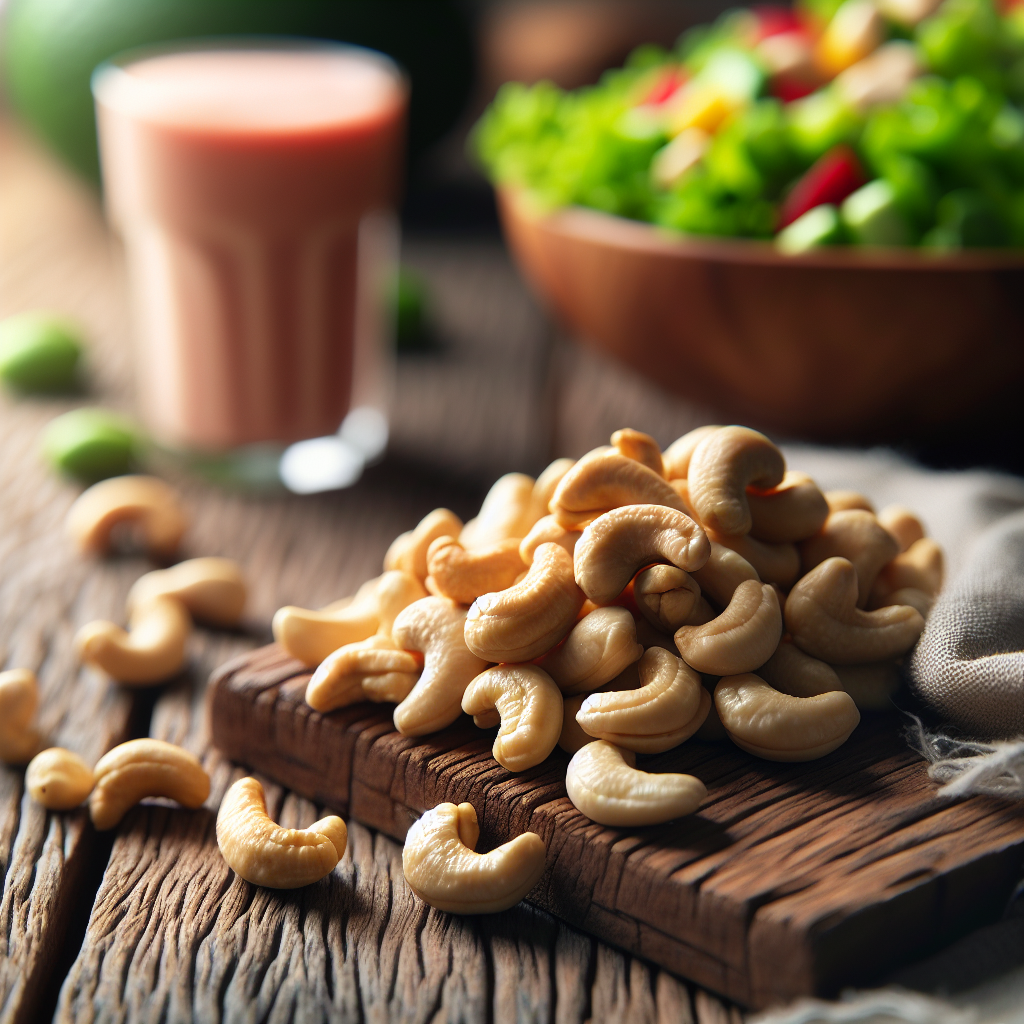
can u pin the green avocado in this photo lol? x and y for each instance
(52, 46)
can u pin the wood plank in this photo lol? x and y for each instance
(793, 879)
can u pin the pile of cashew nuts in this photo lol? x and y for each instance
(617, 605)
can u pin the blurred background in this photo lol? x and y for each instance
(487, 381)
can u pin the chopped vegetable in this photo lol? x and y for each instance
(39, 353)
(829, 181)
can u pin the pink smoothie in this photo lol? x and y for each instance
(247, 185)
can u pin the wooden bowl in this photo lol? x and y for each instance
(839, 344)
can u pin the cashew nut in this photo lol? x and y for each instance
(860, 538)
(666, 596)
(906, 595)
(545, 485)
(600, 646)
(682, 488)
(825, 622)
(434, 627)
(793, 511)
(262, 852)
(151, 651)
(527, 619)
(604, 784)
(146, 502)
(395, 591)
(621, 542)
(902, 524)
(773, 563)
(58, 779)
(677, 455)
(742, 638)
(442, 868)
(871, 686)
(408, 551)
(19, 700)
(920, 567)
(464, 575)
(372, 669)
(507, 512)
(668, 707)
(792, 671)
(138, 769)
(844, 501)
(773, 725)
(723, 465)
(722, 573)
(530, 706)
(634, 444)
(603, 480)
(212, 589)
(547, 530)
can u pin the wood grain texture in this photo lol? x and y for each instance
(793, 879)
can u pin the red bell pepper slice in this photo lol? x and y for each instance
(665, 88)
(830, 179)
(773, 20)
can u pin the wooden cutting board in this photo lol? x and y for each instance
(793, 879)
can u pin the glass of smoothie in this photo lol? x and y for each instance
(253, 183)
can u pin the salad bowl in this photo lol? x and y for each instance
(836, 344)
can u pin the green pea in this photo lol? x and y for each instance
(90, 444)
(39, 353)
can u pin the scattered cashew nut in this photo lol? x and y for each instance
(600, 646)
(722, 573)
(259, 850)
(677, 455)
(902, 524)
(19, 700)
(442, 868)
(212, 589)
(635, 444)
(921, 567)
(408, 551)
(778, 727)
(604, 784)
(464, 575)
(792, 671)
(530, 708)
(773, 563)
(507, 511)
(58, 779)
(547, 530)
(138, 769)
(545, 485)
(825, 622)
(666, 596)
(147, 502)
(795, 510)
(843, 501)
(372, 669)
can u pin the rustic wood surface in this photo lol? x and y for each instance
(147, 923)
(792, 879)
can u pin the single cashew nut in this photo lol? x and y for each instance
(396, 590)
(621, 542)
(603, 480)
(19, 701)
(151, 651)
(545, 485)
(844, 501)
(871, 686)
(860, 538)
(790, 670)
(259, 850)
(434, 627)
(666, 596)
(212, 589)
(530, 706)
(667, 708)
(604, 784)
(442, 868)
(795, 510)
(464, 575)
(773, 563)
(138, 769)
(58, 779)
(723, 465)
(600, 646)
(507, 512)
(677, 455)
(146, 502)
(547, 531)
(372, 669)
(722, 573)
(773, 725)
(902, 524)
(920, 567)
(408, 551)
(825, 622)
(639, 446)
(310, 635)
(746, 634)
(528, 619)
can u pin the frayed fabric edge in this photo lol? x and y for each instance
(886, 1005)
(969, 767)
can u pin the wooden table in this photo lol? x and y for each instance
(148, 923)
